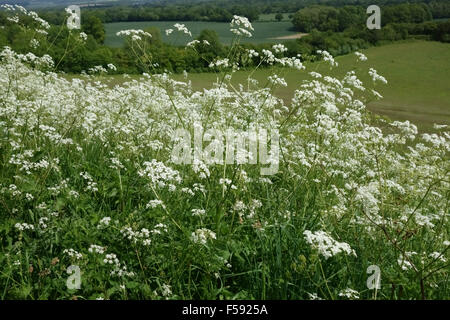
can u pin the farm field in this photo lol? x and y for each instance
(264, 31)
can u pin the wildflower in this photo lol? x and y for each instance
(314, 296)
(326, 245)
(349, 294)
(202, 236)
(360, 56)
(328, 57)
(104, 222)
(24, 226)
(376, 77)
(279, 48)
(192, 43)
(404, 261)
(155, 203)
(252, 53)
(182, 28)
(198, 212)
(83, 36)
(166, 290)
(277, 81)
(73, 253)
(112, 67)
(93, 248)
(134, 34)
(241, 26)
(159, 174)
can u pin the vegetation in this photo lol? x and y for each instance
(325, 18)
(418, 90)
(265, 32)
(91, 178)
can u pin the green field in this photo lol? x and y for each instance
(271, 17)
(418, 80)
(264, 31)
(417, 72)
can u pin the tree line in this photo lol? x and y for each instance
(74, 56)
(222, 11)
(326, 18)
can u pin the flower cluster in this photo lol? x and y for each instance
(201, 236)
(241, 26)
(326, 245)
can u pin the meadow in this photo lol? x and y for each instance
(418, 73)
(122, 189)
(264, 31)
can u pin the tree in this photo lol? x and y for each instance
(279, 17)
(93, 25)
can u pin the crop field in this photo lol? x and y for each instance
(264, 31)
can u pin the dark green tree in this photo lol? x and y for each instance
(92, 25)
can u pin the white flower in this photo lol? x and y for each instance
(241, 26)
(112, 67)
(326, 245)
(349, 294)
(34, 43)
(83, 36)
(202, 236)
(438, 256)
(277, 81)
(134, 34)
(224, 63)
(155, 203)
(159, 174)
(192, 43)
(328, 57)
(360, 56)
(24, 226)
(104, 222)
(376, 77)
(198, 212)
(93, 248)
(279, 48)
(182, 28)
(73, 253)
(404, 261)
(252, 53)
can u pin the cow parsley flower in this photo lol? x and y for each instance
(202, 236)
(326, 245)
(328, 57)
(241, 26)
(349, 294)
(73, 253)
(376, 77)
(360, 56)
